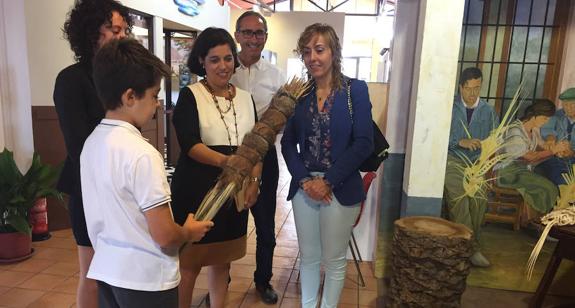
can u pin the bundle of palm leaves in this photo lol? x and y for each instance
(253, 148)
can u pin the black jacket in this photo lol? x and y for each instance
(79, 112)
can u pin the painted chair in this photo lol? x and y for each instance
(505, 205)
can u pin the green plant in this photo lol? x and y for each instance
(18, 191)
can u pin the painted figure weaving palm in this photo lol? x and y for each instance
(472, 121)
(525, 145)
(560, 129)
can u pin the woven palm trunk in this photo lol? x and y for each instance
(253, 149)
(430, 260)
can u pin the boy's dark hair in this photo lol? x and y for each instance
(208, 39)
(247, 14)
(540, 107)
(82, 26)
(125, 64)
(468, 74)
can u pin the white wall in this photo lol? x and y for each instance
(567, 76)
(3, 79)
(284, 29)
(435, 69)
(49, 52)
(401, 75)
(14, 83)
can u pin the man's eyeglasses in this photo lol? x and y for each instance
(247, 34)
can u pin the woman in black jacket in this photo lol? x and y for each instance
(90, 24)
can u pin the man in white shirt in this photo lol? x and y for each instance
(262, 79)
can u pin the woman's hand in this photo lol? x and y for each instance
(318, 189)
(549, 143)
(251, 194)
(566, 153)
(203, 154)
(531, 156)
(560, 147)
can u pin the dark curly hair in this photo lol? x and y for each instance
(82, 26)
(208, 39)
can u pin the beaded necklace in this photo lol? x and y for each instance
(231, 106)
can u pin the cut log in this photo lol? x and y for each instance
(430, 261)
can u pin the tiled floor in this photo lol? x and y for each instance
(49, 278)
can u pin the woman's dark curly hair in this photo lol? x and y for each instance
(82, 27)
(208, 39)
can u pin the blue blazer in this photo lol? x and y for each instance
(352, 143)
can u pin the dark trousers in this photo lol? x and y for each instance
(264, 212)
(553, 167)
(115, 297)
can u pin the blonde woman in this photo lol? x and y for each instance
(326, 188)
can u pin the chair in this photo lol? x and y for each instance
(367, 179)
(505, 205)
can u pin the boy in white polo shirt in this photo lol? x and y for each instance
(124, 187)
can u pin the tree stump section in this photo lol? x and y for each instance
(430, 261)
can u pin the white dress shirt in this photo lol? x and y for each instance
(262, 80)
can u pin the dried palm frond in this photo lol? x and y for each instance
(253, 148)
(567, 190)
(475, 182)
(563, 214)
(558, 217)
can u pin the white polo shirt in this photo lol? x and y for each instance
(122, 177)
(262, 79)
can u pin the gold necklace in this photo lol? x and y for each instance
(320, 98)
(231, 106)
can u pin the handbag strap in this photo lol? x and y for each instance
(349, 105)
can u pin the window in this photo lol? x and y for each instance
(142, 30)
(180, 45)
(511, 41)
(357, 67)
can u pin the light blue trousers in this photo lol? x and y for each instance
(323, 232)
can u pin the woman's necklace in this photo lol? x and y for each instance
(322, 95)
(231, 106)
(228, 98)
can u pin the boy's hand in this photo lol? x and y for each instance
(196, 229)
